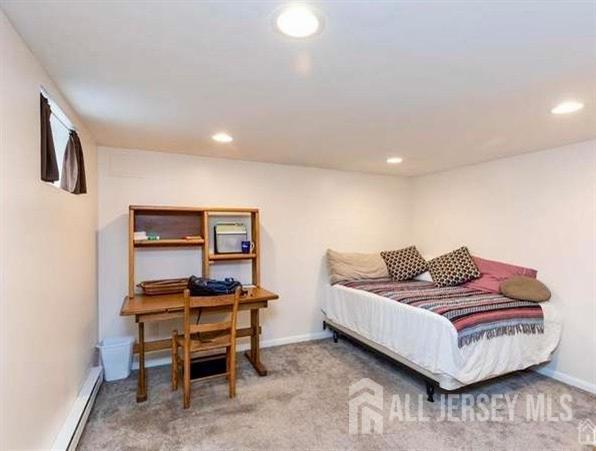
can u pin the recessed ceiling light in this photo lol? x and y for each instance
(298, 21)
(394, 160)
(222, 138)
(567, 107)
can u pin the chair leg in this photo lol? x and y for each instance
(186, 375)
(232, 372)
(174, 361)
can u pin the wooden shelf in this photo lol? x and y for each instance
(220, 257)
(143, 304)
(174, 209)
(164, 209)
(229, 213)
(169, 242)
(216, 211)
(171, 222)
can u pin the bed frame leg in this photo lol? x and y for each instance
(430, 391)
(335, 336)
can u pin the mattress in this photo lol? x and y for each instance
(430, 340)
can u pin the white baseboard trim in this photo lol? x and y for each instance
(567, 379)
(71, 431)
(294, 339)
(151, 362)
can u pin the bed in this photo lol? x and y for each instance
(429, 343)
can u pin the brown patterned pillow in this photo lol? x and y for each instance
(454, 268)
(404, 264)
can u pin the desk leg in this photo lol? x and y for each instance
(254, 355)
(142, 382)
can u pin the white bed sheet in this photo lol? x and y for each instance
(430, 340)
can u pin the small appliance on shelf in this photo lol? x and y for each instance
(229, 237)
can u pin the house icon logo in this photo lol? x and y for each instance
(586, 432)
(366, 407)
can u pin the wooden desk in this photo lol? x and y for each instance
(160, 308)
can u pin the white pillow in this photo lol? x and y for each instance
(349, 266)
(424, 276)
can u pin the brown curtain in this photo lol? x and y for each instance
(73, 167)
(49, 165)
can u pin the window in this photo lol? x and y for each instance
(62, 160)
(61, 127)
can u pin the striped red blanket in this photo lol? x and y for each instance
(475, 314)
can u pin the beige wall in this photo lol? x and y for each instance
(48, 263)
(303, 212)
(537, 210)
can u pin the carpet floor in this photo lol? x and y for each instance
(303, 404)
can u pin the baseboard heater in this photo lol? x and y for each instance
(71, 431)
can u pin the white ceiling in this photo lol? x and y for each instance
(441, 84)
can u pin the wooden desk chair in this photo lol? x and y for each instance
(204, 337)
